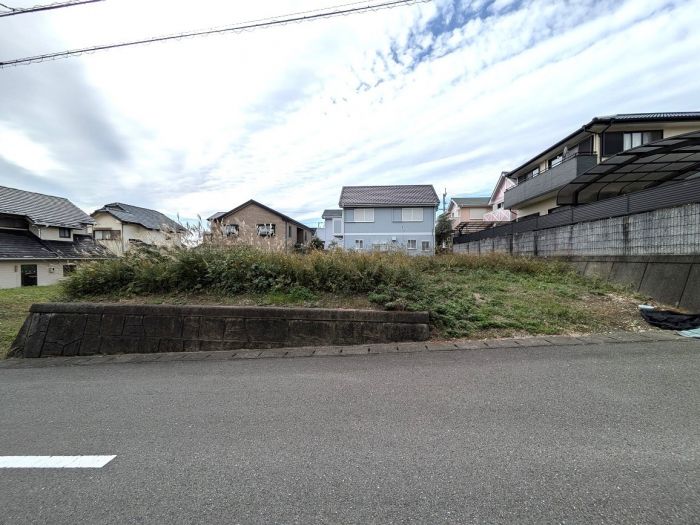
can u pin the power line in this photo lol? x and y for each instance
(57, 5)
(299, 17)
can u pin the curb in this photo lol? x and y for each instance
(342, 351)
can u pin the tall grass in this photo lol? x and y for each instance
(241, 269)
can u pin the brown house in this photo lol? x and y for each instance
(255, 224)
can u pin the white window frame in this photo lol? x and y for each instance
(266, 230)
(425, 246)
(408, 244)
(338, 221)
(367, 215)
(411, 214)
(359, 244)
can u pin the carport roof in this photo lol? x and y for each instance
(658, 163)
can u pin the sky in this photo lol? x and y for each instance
(449, 93)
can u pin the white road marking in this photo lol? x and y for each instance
(54, 461)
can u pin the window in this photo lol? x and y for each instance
(231, 229)
(499, 205)
(68, 269)
(618, 141)
(266, 230)
(639, 138)
(289, 236)
(364, 215)
(64, 233)
(337, 226)
(411, 244)
(411, 214)
(359, 244)
(553, 162)
(107, 235)
(425, 246)
(535, 172)
(521, 179)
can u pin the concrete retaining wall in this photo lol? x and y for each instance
(69, 329)
(657, 253)
(672, 280)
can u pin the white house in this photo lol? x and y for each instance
(42, 238)
(119, 226)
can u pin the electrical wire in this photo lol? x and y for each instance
(298, 17)
(13, 11)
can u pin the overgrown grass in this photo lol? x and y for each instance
(466, 296)
(14, 306)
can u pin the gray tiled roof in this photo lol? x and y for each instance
(471, 201)
(217, 215)
(329, 214)
(43, 209)
(409, 195)
(656, 116)
(21, 245)
(150, 219)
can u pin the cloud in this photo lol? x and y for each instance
(449, 93)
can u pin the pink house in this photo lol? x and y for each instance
(467, 214)
(498, 214)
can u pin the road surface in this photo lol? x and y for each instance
(605, 433)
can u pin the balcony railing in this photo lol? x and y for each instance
(550, 180)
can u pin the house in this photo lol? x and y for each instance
(467, 214)
(538, 180)
(333, 228)
(42, 238)
(384, 218)
(498, 214)
(258, 225)
(120, 226)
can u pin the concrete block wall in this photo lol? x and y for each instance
(655, 252)
(68, 329)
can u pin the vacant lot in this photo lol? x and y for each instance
(467, 297)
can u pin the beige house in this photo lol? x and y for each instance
(255, 224)
(120, 226)
(42, 238)
(467, 214)
(538, 181)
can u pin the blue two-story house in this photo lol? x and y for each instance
(389, 218)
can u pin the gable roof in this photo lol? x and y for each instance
(149, 219)
(409, 195)
(471, 202)
(256, 203)
(43, 210)
(502, 179)
(23, 245)
(329, 214)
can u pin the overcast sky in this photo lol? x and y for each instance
(448, 93)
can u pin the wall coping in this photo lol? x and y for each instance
(245, 312)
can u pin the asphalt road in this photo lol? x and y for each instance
(584, 434)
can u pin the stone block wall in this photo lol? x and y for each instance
(68, 329)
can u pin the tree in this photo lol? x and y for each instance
(443, 231)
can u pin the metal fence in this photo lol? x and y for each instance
(686, 192)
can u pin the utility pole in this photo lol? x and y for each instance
(444, 200)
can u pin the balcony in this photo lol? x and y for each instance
(549, 181)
